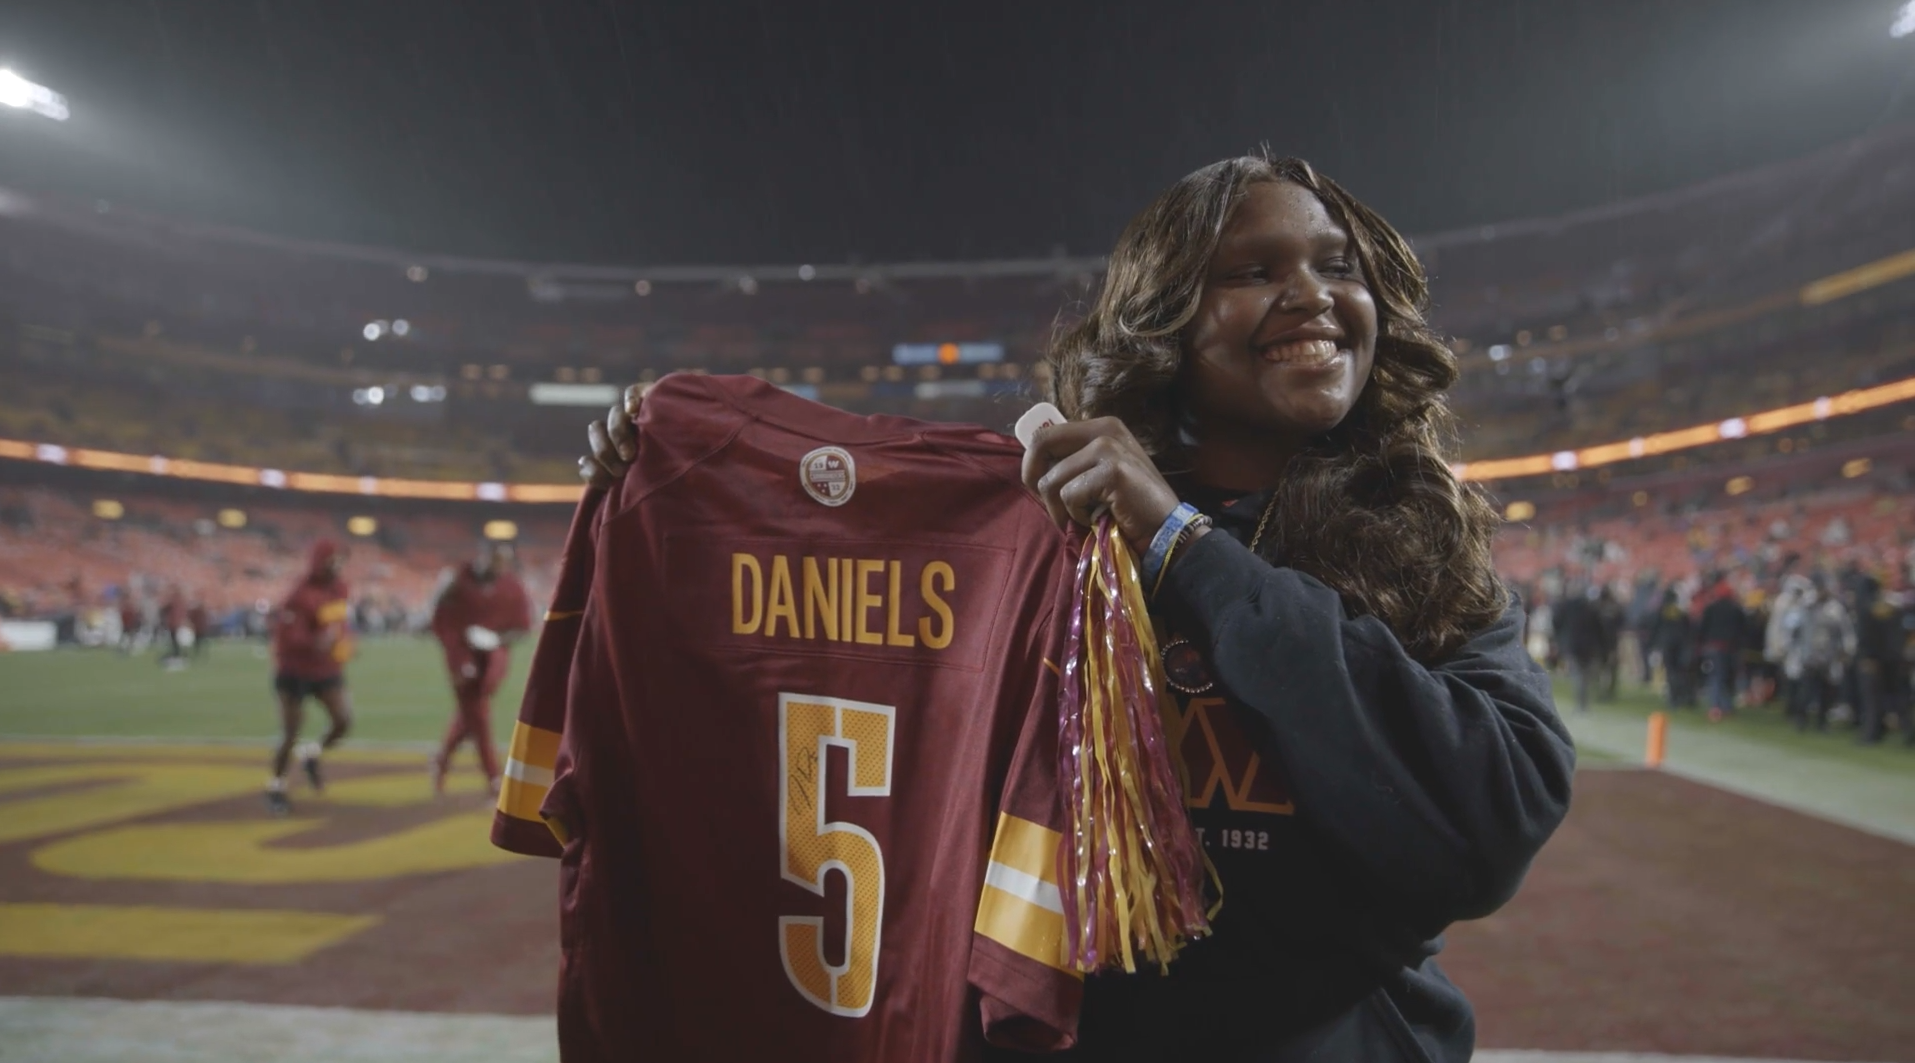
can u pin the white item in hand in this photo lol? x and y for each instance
(1042, 415)
(483, 639)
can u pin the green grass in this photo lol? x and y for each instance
(1764, 724)
(399, 693)
(1586, 756)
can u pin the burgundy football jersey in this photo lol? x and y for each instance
(793, 718)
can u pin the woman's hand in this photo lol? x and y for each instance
(1081, 469)
(614, 442)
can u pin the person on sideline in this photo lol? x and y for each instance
(481, 610)
(312, 641)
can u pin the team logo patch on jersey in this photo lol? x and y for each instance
(828, 475)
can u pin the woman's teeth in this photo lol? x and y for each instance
(1306, 351)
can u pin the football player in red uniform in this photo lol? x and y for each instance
(312, 641)
(482, 610)
(173, 626)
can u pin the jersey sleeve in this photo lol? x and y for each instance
(517, 825)
(1029, 998)
(296, 624)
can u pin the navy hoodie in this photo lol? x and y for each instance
(1354, 802)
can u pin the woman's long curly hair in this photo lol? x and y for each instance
(1371, 507)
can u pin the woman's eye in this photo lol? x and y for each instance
(1339, 267)
(1248, 273)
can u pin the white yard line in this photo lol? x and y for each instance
(1868, 799)
(67, 1030)
(84, 1030)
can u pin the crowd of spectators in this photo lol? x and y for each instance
(160, 564)
(1805, 603)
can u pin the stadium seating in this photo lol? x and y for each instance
(58, 556)
(137, 334)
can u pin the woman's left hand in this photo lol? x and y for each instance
(1082, 469)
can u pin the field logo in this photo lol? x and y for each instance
(828, 475)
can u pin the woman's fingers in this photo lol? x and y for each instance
(613, 441)
(1087, 495)
(603, 450)
(1084, 469)
(1072, 489)
(634, 398)
(618, 425)
(594, 474)
(1057, 442)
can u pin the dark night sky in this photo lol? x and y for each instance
(703, 131)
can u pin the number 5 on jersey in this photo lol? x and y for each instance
(809, 847)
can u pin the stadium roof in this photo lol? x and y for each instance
(733, 132)
(1763, 188)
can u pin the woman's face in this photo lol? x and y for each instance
(1285, 332)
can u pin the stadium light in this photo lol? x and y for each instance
(108, 509)
(232, 518)
(400, 326)
(501, 531)
(1904, 21)
(362, 526)
(373, 330)
(23, 95)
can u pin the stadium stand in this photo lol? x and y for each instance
(69, 552)
(142, 335)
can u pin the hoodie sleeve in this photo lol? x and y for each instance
(1438, 783)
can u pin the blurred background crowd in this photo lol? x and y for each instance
(1764, 568)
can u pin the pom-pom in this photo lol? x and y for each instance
(1132, 869)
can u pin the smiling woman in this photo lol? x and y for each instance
(1261, 328)
(1369, 754)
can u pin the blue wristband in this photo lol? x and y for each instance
(1166, 536)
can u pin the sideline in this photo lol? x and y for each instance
(79, 1030)
(87, 1030)
(1519, 1056)
(1854, 795)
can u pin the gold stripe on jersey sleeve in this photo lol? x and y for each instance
(534, 745)
(565, 614)
(528, 771)
(521, 800)
(1029, 847)
(1020, 907)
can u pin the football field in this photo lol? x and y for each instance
(398, 688)
(137, 865)
(149, 909)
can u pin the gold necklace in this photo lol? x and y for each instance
(1264, 521)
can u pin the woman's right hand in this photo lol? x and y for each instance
(613, 442)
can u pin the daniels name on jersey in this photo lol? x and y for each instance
(791, 729)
